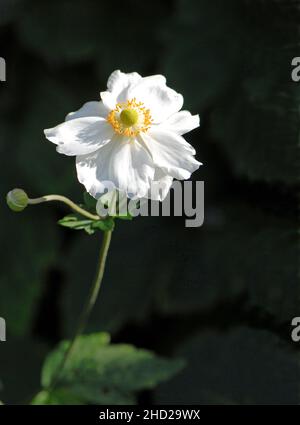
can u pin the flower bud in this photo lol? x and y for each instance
(17, 200)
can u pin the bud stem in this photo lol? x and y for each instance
(66, 201)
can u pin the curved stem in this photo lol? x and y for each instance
(66, 201)
(91, 299)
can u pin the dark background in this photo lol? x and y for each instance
(222, 296)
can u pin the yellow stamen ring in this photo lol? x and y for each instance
(130, 118)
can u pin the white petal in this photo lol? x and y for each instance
(156, 96)
(80, 136)
(109, 100)
(181, 122)
(118, 85)
(89, 109)
(160, 186)
(160, 133)
(171, 153)
(125, 163)
(119, 82)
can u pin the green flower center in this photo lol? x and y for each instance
(129, 117)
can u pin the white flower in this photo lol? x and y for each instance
(131, 138)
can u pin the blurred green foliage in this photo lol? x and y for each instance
(166, 287)
(98, 372)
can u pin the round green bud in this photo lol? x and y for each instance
(129, 117)
(17, 200)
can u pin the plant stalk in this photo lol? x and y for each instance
(66, 201)
(91, 299)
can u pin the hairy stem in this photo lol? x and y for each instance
(91, 299)
(67, 201)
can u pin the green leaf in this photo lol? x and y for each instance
(75, 221)
(94, 341)
(103, 373)
(59, 396)
(105, 224)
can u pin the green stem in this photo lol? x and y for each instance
(92, 297)
(66, 201)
